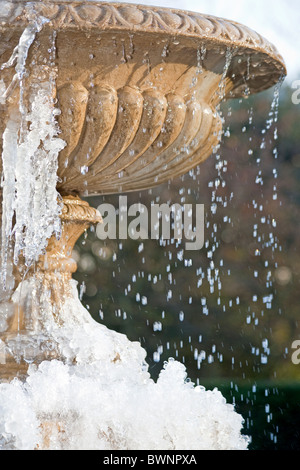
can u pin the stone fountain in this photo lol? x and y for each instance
(138, 89)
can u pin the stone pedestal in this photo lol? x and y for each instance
(37, 303)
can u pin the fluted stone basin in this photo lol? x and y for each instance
(138, 86)
(138, 89)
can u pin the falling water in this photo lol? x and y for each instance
(108, 400)
(30, 151)
(163, 294)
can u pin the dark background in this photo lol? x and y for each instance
(237, 299)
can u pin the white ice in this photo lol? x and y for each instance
(107, 400)
(101, 395)
(30, 152)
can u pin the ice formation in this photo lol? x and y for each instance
(100, 394)
(30, 152)
(107, 406)
(108, 401)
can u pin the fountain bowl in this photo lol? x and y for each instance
(138, 87)
(136, 91)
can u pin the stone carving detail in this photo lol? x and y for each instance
(139, 123)
(64, 13)
(76, 217)
(139, 139)
(130, 121)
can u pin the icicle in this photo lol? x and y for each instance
(30, 152)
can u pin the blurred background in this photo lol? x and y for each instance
(230, 311)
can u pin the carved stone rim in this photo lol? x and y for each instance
(87, 14)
